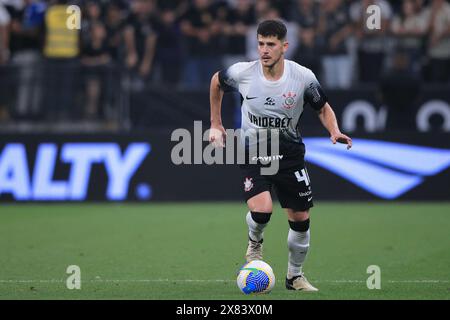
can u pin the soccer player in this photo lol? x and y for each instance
(274, 92)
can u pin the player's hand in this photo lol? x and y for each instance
(217, 136)
(341, 138)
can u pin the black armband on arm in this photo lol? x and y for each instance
(225, 82)
(315, 96)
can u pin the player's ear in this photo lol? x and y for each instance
(285, 46)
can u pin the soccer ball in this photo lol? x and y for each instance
(256, 277)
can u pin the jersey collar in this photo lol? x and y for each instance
(270, 82)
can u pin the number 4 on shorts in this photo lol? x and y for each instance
(302, 177)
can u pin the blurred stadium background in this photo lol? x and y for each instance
(86, 115)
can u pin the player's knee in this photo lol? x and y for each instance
(299, 226)
(261, 207)
(298, 215)
(260, 203)
(261, 217)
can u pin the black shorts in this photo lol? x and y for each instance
(292, 185)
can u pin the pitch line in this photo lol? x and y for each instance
(199, 281)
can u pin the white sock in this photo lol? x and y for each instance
(298, 244)
(255, 230)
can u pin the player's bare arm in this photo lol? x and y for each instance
(217, 132)
(329, 121)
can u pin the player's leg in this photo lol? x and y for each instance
(257, 195)
(258, 216)
(260, 210)
(295, 195)
(298, 240)
(298, 244)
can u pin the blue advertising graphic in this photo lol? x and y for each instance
(386, 169)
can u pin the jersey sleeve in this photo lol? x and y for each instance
(314, 94)
(229, 78)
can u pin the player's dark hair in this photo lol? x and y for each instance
(272, 28)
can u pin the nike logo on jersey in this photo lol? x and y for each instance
(250, 98)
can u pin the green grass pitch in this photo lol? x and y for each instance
(193, 250)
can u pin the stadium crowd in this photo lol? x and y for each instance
(181, 43)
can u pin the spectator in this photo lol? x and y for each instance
(115, 25)
(4, 57)
(305, 13)
(92, 15)
(93, 11)
(4, 34)
(95, 60)
(261, 8)
(308, 53)
(281, 7)
(61, 50)
(241, 17)
(373, 44)
(168, 50)
(27, 27)
(179, 7)
(437, 16)
(409, 28)
(400, 89)
(335, 28)
(201, 33)
(140, 41)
